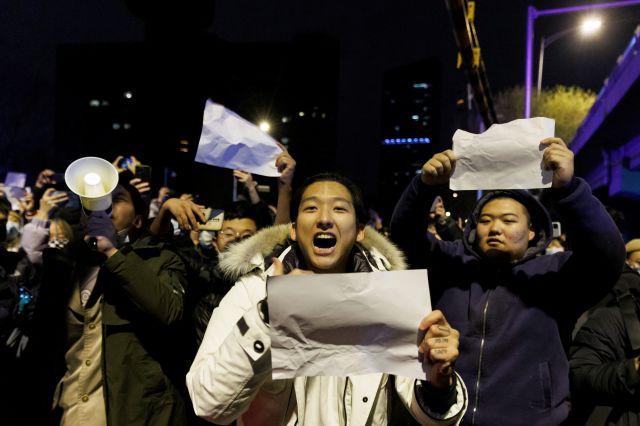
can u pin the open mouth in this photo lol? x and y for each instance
(324, 241)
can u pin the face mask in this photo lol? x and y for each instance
(176, 227)
(553, 250)
(122, 237)
(13, 229)
(206, 239)
(58, 243)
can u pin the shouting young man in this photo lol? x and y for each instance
(231, 376)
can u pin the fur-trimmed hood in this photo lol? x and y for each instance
(249, 254)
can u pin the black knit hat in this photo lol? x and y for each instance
(539, 216)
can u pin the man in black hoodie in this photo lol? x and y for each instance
(514, 307)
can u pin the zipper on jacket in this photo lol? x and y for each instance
(484, 330)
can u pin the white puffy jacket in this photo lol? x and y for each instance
(230, 378)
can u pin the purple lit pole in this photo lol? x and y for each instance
(532, 14)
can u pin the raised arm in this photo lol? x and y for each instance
(597, 248)
(286, 166)
(410, 220)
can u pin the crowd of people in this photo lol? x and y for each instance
(150, 314)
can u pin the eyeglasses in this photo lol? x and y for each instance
(230, 234)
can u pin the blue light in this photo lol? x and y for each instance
(405, 141)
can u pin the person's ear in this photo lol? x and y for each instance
(532, 233)
(138, 221)
(292, 231)
(360, 234)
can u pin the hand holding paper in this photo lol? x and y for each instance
(558, 158)
(351, 324)
(230, 141)
(439, 346)
(506, 156)
(439, 168)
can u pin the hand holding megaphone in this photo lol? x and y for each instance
(100, 232)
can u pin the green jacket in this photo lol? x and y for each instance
(143, 287)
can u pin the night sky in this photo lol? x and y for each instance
(374, 36)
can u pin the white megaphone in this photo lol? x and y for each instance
(93, 179)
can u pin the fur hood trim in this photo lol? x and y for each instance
(249, 254)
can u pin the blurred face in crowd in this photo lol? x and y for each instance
(59, 230)
(438, 208)
(123, 212)
(234, 230)
(326, 228)
(503, 230)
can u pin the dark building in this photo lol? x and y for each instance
(147, 100)
(411, 132)
(410, 123)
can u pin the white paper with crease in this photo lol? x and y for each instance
(506, 156)
(347, 324)
(228, 140)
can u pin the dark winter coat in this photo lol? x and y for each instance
(515, 320)
(603, 374)
(143, 286)
(207, 287)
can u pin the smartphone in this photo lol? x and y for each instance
(143, 172)
(125, 163)
(556, 230)
(58, 177)
(214, 220)
(15, 179)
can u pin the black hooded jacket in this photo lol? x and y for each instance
(515, 319)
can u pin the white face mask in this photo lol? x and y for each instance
(553, 250)
(176, 227)
(58, 243)
(122, 237)
(206, 239)
(13, 230)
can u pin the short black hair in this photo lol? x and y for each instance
(139, 205)
(239, 210)
(362, 214)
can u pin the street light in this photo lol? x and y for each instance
(588, 27)
(265, 126)
(532, 15)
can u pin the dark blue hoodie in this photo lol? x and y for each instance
(515, 319)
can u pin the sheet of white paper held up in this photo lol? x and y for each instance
(506, 156)
(228, 140)
(347, 324)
